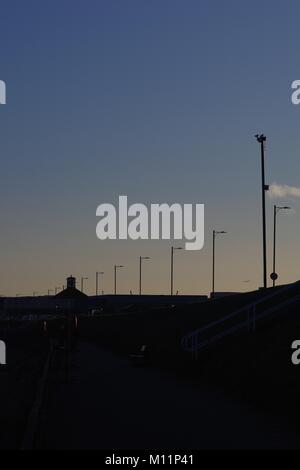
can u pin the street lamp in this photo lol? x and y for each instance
(82, 281)
(261, 139)
(49, 292)
(116, 267)
(141, 259)
(274, 275)
(215, 233)
(172, 266)
(98, 273)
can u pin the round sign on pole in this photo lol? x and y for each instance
(274, 276)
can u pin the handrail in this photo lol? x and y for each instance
(194, 336)
(244, 308)
(239, 326)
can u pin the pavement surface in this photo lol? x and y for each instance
(112, 404)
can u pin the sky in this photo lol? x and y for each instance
(158, 100)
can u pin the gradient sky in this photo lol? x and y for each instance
(158, 100)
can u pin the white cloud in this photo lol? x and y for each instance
(283, 191)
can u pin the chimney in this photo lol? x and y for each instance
(71, 282)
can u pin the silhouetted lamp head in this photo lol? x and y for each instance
(261, 138)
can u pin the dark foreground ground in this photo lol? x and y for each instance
(252, 367)
(111, 404)
(241, 393)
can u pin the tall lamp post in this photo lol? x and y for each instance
(215, 233)
(98, 273)
(142, 258)
(274, 275)
(115, 272)
(172, 267)
(82, 282)
(261, 139)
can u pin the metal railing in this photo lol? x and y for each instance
(245, 317)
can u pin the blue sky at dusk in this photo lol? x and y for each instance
(158, 100)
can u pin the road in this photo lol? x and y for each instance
(110, 404)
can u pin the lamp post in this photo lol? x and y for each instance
(172, 266)
(140, 280)
(49, 292)
(277, 209)
(82, 282)
(215, 233)
(116, 267)
(98, 273)
(261, 139)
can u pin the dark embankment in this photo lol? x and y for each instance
(26, 352)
